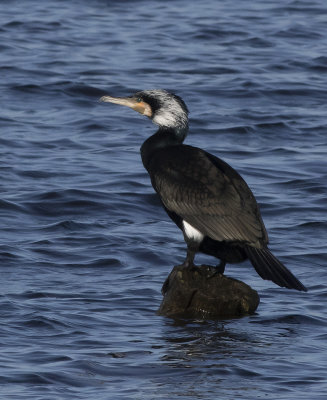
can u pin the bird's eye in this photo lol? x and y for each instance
(139, 99)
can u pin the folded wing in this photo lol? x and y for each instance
(208, 194)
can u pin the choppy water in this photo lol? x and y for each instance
(84, 245)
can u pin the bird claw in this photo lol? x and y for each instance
(214, 271)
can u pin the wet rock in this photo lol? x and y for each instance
(202, 293)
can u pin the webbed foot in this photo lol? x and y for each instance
(219, 269)
(189, 264)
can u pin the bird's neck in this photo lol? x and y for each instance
(164, 137)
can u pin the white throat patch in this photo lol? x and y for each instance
(165, 118)
(192, 233)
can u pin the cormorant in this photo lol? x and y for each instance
(206, 198)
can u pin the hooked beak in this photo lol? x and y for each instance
(139, 106)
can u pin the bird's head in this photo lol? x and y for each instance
(165, 109)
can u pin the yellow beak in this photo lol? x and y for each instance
(139, 106)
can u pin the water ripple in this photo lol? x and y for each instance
(85, 245)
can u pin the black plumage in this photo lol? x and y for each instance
(207, 199)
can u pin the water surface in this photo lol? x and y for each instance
(84, 243)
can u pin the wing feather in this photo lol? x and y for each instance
(208, 194)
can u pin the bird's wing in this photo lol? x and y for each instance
(208, 194)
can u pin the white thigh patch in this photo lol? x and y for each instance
(192, 233)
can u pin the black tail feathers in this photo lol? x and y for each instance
(269, 267)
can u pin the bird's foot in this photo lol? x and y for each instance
(195, 268)
(218, 269)
(190, 265)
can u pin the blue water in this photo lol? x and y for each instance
(84, 243)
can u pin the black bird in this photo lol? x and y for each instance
(206, 198)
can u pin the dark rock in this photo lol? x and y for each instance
(200, 292)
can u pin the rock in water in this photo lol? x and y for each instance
(202, 293)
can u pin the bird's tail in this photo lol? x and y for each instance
(269, 267)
